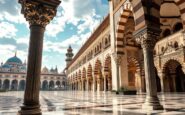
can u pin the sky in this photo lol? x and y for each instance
(74, 22)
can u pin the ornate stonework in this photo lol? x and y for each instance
(37, 13)
(117, 58)
(147, 37)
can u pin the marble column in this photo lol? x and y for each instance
(118, 59)
(87, 84)
(148, 37)
(162, 76)
(38, 13)
(105, 81)
(94, 83)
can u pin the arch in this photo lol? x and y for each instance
(97, 67)
(165, 64)
(107, 64)
(174, 77)
(177, 27)
(135, 62)
(84, 73)
(51, 85)
(89, 71)
(14, 85)
(45, 85)
(6, 84)
(108, 74)
(63, 83)
(22, 85)
(58, 84)
(79, 75)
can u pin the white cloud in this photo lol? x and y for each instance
(73, 12)
(7, 30)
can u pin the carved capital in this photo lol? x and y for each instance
(117, 58)
(147, 37)
(39, 12)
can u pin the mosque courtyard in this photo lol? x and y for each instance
(92, 103)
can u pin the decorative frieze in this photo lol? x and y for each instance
(147, 37)
(36, 13)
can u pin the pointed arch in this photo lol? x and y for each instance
(97, 67)
(84, 73)
(107, 63)
(89, 71)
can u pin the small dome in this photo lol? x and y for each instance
(45, 70)
(6, 66)
(14, 59)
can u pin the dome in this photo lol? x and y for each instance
(6, 66)
(45, 70)
(14, 59)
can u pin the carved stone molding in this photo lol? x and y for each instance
(36, 13)
(117, 58)
(147, 37)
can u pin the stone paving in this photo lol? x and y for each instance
(89, 103)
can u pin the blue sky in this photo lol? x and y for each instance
(74, 23)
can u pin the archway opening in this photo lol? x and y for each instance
(58, 84)
(174, 77)
(108, 74)
(22, 85)
(6, 84)
(14, 85)
(45, 85)
(51, 85)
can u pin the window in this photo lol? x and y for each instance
(177, 27)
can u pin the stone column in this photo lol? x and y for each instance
(109, 83)
(118, 59)
(87, 84)
(94, 83)
(38, 13)
(161, 76)
(148, 37)
(105, 80)
(98, 84)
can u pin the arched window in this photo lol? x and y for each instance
(176, 45)
(166, 32)
(162, 49)
(177, 27)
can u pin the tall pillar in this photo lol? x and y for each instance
(148, 37)
(105, 80)
(161, 76)
(87, 84)
(94, 83)
(38, 13)
(117, 59)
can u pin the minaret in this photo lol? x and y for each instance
(69, 55)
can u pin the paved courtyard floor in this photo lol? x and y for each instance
(89, 103)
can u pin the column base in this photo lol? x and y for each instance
(152, 103)
(30, 110)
